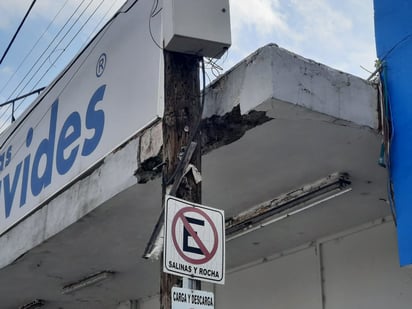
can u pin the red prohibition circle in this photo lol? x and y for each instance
(208, 255)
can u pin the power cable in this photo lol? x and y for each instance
(68, 44)
(76, 58)
(37, 61)
(389, 135)
(403, 40)
(23, 96)
(153, 12)
(99, 23)
(17, 32)
(64, 49)
(55, 48)
(34, 46)
(81, 28)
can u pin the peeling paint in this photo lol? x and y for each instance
(285, 76)
(151, 142)
(217, 131)
(147, 170)
(222, 130)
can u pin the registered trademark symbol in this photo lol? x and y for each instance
(101, 65)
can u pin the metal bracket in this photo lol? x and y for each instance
(156, 239)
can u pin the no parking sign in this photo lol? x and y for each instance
(194, 245)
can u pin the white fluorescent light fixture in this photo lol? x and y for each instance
(37, 303)
(287, 205)
(269, 212)
(88, 281)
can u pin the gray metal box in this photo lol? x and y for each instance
(200, 27)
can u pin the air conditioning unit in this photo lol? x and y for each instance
(198, 27)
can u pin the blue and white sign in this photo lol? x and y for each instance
(107, 94)
(393, 26)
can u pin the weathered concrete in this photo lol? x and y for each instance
(83, 196)
(273, 72)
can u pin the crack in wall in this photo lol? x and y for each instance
(216, 131)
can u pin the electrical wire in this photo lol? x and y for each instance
(153, 12)
(388, 129)
(58, 44)
(123, 12)
(55, 48)
(44, 94)
(33, 47)
(12, 102)
(17, 31)
(390, 134)
(214, 67)
(208, 77)
(32, 77)
(65, 48)
(36, 62)
(407, 37)
(92, 33)
(70, 42)
(387, 132)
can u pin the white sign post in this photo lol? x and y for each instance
(194, 245)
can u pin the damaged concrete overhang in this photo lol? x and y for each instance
(271, 75)
(287, 204)
(273, 72)
(273, 123)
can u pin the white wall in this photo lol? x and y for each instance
(287, 282)
(356, 269)
(288, 77)
(362, 271)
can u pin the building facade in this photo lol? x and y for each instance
(282, 135)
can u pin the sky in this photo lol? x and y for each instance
(337, 33)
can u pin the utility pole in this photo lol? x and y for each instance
(181, 129)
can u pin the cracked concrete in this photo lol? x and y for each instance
(275, 73)
(216, 131)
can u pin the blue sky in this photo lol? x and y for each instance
(334, 32)
(42, 50)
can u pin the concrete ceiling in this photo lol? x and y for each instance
(297, 147)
